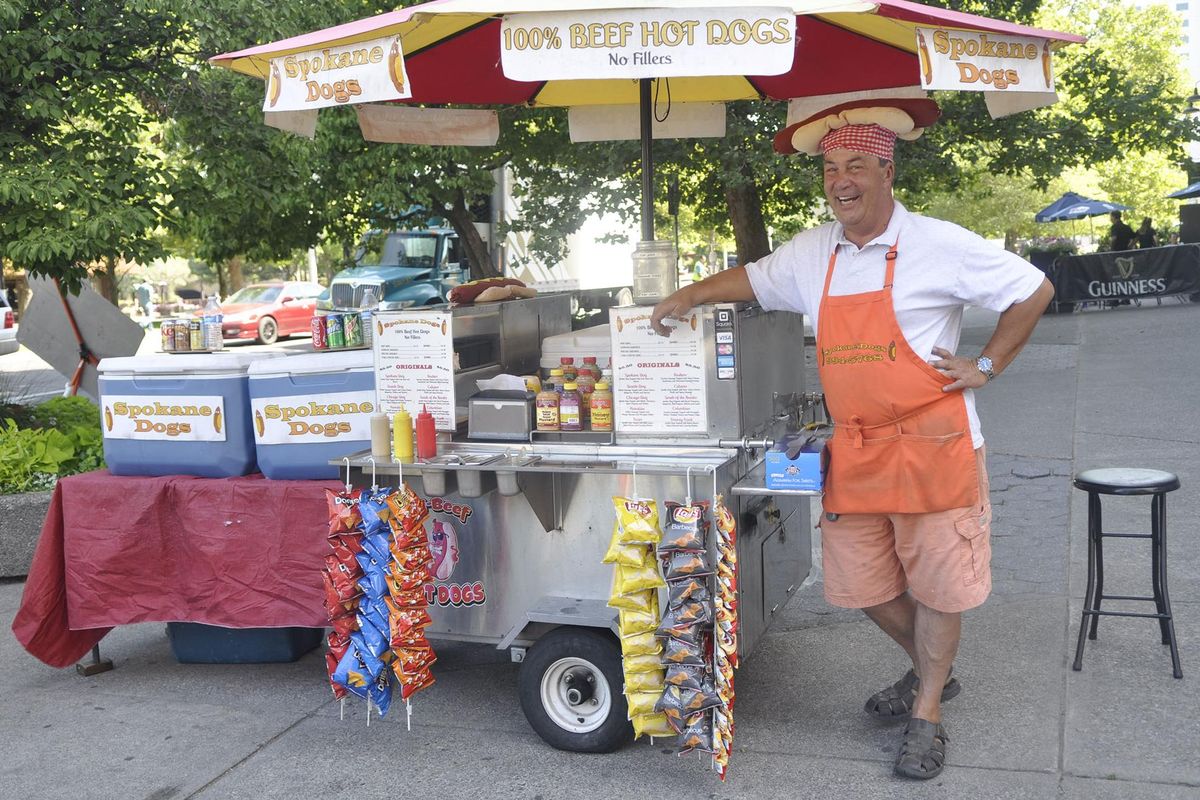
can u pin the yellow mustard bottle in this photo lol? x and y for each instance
(402, 436)
(602, 408)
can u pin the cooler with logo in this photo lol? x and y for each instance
(310, 409)
(178, 414)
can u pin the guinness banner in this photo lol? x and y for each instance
(1154, 272)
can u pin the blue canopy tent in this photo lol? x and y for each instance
(1187, 192)
(1075, 206)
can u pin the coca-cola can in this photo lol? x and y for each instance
(319, 340)
(168, 335)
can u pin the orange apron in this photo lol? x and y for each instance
(900, 444)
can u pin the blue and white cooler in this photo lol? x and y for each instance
(310, 409)
(178, 414)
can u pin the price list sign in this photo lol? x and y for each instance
(414, 364)
(659, 380)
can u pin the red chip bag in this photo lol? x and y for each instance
(410, 599)
(410, 687)
(331, 664)
(412, 559)
(405, 619)
(407, 582)
(338, 643)
(344, 624)
(411, 660)
(343, 510)
(409, 511)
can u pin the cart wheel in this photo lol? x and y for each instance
(570, 686)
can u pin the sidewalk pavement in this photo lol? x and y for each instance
(1102, 388)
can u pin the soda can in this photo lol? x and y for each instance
(318, 333)
(334, 334)
(196, 334)
(183, 338)
(352, 329)
(168, 335)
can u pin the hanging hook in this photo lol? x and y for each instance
(374, 481)
(347, 460)
(688, 499)
(636, 496)
(714, 476)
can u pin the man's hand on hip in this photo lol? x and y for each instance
(963, 370)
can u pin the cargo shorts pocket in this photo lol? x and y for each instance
(975, 546)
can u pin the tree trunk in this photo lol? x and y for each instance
(106, 280)
(745, 213)
(234, 265)
(473, 246)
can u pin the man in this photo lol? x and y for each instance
(1121, 236)
(905, 529)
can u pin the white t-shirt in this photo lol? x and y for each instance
(940, 268)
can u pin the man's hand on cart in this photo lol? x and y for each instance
(729, 286)
(674, 307)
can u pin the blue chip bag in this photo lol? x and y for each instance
(369, 653)
(352, 673)
(368, 616)
(376, 546)
(380, 692)
(373, 584)
(374, 510)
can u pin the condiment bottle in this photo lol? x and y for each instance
(568, 368)
(556, 380)
(589, 362)
(587, 384)
(570, 415)
(546, 408)
(380, 435)
(426, 435)
(402, 436)
(602, 408)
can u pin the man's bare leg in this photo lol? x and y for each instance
(897, 618)
(936, 635)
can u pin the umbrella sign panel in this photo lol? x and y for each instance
(971, 60)
(647, 43)
(364, 72)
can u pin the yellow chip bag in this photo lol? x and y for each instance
(645, 682)
(641, 703)
(651, 725)
(634, 664)
(638, 520)
(638, 621)
(641, 644)
(635, 579)
(635, 601)
(628, 555)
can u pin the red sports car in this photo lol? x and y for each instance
(267, 311)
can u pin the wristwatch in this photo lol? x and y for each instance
(984, 365)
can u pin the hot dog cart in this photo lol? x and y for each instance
(519, 527)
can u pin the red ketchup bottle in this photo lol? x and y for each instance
(426, 435)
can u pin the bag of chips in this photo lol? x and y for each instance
(630, 555)
(375, 545)
(411, 660)
(627, 580)
(352, 674)
(413, 559)
(407, 510)
(638, 621)
(637, 520)
(634, 664)
(415, 683)
(373, 584)
(345, 623)
(685, 563)
(641, 703)
(652, 725)
(685, 528)
(369, 639)
(372, 505)
(672, 704)
(690, 612)
(685, 677)
(640, 644)
(644, 682)
(690, 634)
(331, 663)
(680, 652)
(698, 735)
(635, 601)
(343, 510)
(414, 598)
(345, 547)
(380, 692)
(687, 588)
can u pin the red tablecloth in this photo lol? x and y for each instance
(238, 552)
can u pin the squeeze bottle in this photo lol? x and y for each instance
(426, 435)
(402, 436)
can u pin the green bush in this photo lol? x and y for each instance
(57, 438)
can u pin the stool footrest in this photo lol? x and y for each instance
(1126, 597)
(1127, 535)
(1090, 612)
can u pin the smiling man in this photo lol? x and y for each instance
(906, 522)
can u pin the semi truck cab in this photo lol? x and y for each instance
(403, 268)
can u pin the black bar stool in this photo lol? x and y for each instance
(1125, 481)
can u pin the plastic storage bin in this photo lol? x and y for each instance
(195, 643)
(594, 341)
(310, 409)
(178, 414)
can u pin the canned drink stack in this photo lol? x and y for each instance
(183, 338)
(168, 335)
(319, 341)
(196, 334)
(334, 334)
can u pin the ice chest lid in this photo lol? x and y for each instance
(184, 365)
(313, 364)
(589, 341)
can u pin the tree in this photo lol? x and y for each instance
(81, 185)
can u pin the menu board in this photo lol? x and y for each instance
(414, 363)
(659, 381)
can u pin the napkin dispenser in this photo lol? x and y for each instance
(500, 414)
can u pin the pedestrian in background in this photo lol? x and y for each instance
(1120, 236)
(1145, 235)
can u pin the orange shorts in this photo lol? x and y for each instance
(942, 558)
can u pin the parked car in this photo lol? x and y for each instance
(266, 312)
(8, 329)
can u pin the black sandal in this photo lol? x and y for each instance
(922, 751)
(896, 701)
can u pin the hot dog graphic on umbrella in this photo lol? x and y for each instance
(395, 64)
